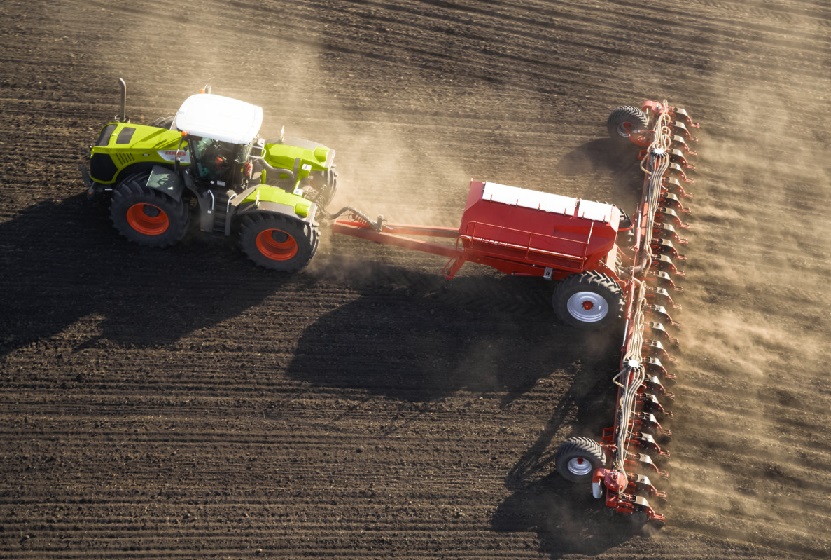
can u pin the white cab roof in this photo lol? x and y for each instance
(220, 118)
(548, 202)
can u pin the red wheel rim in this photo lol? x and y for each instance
(147, 219)
(276, 244)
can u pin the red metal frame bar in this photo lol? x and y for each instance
(395, 235)
(634, 406)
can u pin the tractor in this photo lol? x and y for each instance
(208, 159)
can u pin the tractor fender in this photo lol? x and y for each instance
(276, 199)
(268, 208)
(164, 180)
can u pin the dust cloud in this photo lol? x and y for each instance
(757, 311)
(747, 460)
(384, 157)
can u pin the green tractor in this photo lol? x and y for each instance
(208, 159)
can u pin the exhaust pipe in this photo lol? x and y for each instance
(122, 115)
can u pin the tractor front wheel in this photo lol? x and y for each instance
(278, 242)
(590, 300)
(146, 216)
(577, 458)
(627, 122)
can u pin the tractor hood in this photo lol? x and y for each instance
(122, 146)
(283, 154)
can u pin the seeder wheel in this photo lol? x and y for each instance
(590, 300)
(577, 458)
(627, 122)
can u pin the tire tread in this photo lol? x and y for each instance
(133, 190)
(626, 113)
(305, 234)
(589, 281)
(578, 446)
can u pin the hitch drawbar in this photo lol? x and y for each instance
(634, 447)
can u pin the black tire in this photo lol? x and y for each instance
(323, 188)
(577, 458)
(278, 242)
(331, 189)
(163, 122)
(146, 216)
(626, 121)
(625, 221)
(590, 300)
(326, 196)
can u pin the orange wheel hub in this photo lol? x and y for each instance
(147, 219)
(276, 244)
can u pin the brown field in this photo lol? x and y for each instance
(184, 404)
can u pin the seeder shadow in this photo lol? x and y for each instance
(61, 261)
(566, 518)
(614, 167)
(413, 335)
(600, 154)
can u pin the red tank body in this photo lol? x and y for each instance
(546, 230)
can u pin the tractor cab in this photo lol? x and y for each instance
(218, 163)
(221, 133)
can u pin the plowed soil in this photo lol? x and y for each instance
(182, 403)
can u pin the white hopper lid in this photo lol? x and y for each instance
(548, 202)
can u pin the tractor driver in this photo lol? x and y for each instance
(214, 159)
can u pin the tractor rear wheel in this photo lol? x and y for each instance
(163, 122)
(577, 458)
(146, 216)
(626, 122)
(278, 242)
(590, 300)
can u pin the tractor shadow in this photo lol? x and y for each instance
(61, 261)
